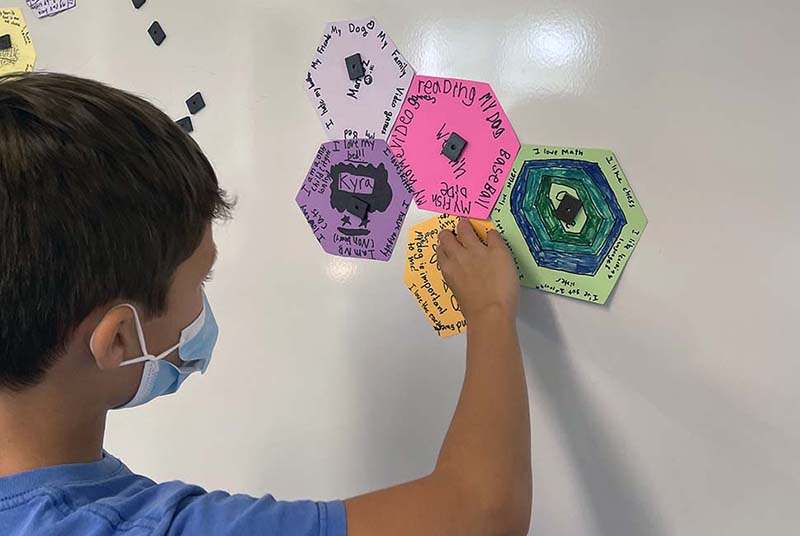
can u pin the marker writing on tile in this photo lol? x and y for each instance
(387, 120)
(616, 258)
(401, 65)
(325, 40)
(432, 294)
(311, 84)
(564, 151)
(451, 198)
(488, 190)
(317, 178)
(382, 38)
(321, 105)
(360, 241)
(496, 122)
(397, 98)
(315, 220)
(407, 177)
(629, 197)
(413, 100)
(398, 154)
(398, 225)
(362, 253)
(357, 146)
(615, 168)
(363, 30)
(352, 91)
(457, 89)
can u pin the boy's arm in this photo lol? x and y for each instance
(482, 481)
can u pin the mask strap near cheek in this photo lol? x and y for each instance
(150, 357)
(140, 359)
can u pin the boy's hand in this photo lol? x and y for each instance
(483, 277)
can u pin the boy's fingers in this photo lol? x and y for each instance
(441, 254)
(494, 240)
(448, 243)
(466, 234)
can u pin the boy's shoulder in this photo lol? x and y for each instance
(105, 497)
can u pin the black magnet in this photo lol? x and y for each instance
(357, 207)
(156, 33)
(138, 3)
(186, 124)
(195, 103)
(5, 41)
(568, 209)
(355, 69)
(453, 147)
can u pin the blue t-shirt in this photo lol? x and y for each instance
(105, 497)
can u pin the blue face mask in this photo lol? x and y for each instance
(160, 377)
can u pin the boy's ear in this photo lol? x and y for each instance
(114, 339)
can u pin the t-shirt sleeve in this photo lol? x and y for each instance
(222, 514)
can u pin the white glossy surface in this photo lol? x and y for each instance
(673, 410)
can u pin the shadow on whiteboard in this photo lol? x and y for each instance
(406, 382)
(619, 503)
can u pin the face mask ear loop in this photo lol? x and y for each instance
(139, 334)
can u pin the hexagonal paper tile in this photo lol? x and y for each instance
(424, 279)
(355, 199)
(584, 265)
(367, 106)
(20, 56)
(466, 183)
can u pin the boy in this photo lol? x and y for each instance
(106, 209)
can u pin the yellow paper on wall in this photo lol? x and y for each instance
(21, 56)
(424, 279)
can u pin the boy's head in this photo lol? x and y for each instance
(103, 200)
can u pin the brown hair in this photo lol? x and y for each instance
(102, 196)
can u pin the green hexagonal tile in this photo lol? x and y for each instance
(542, 248)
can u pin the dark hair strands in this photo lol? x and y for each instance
(102, 196)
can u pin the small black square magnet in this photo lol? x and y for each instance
(138, 3)
(568, 209)
(5, 41)
(358, 207)
(453, 147)
(156, 33)
(186, 124)
(355, 69)
(195, 103)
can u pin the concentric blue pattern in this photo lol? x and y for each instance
(558, 256)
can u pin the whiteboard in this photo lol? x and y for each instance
(671, 410)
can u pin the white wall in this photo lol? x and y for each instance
(673, 410)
